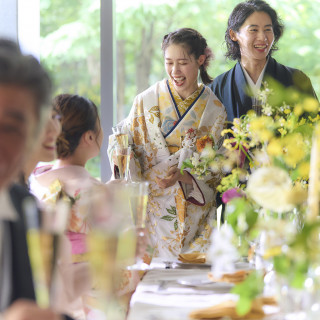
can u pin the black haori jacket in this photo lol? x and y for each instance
(230, 87)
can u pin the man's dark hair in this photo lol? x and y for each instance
(24, 71)
(239, 15)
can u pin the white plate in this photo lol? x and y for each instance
(195, 282)
(202, 282)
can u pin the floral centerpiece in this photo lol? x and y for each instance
(266, 163)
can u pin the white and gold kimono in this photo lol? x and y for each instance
(179, 217)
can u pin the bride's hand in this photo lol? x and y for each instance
(173, 176)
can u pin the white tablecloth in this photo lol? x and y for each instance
(161, 296)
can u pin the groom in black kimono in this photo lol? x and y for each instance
(253, 32)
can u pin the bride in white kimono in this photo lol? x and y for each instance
(181, 208)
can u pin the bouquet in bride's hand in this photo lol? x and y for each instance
(203, 157)
(188, 146)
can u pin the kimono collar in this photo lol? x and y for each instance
(254, 87)
(183, 105)
(242, 101)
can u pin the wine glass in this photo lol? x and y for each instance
(121, 137)
(138, 200)
(123, 160)
(44, 231)
(106, 220)
(257, 106)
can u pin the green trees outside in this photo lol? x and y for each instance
(140, 31)
(70, 35)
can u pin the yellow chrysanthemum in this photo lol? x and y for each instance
(275, 148)
(295, 149)
(311, 105)
(315, 119)
(282, 131)
(302, 121)
(304, 169)
(298, 110)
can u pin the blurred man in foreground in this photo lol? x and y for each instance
(25, 90)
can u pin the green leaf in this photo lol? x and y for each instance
(248, 290)
(298, 280)
(251, 217)
(281, 264)
(167, 218)
(176, 225)
(295, 174)
(305, 130)
(278, 161)
(186, 164)
(172, 211)
(243, 305)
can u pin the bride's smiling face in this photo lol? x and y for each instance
(182, 68)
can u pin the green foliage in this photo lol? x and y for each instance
(231, 180)
(302, 253)
(248, 290)
(241, 207)
(186, 164)
(70, 40)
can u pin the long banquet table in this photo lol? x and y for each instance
(170, 291)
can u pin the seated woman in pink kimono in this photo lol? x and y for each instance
(74, 279)
(79, 141)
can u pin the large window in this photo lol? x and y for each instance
(70, 48)
(141, 24)
(70, 42)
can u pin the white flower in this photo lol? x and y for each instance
(242, 223)
(267, 110)
(208, 153)
(195, 160)
(270, 188)
(222, 252)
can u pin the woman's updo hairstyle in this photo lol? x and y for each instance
(78, 115)
(195, 44)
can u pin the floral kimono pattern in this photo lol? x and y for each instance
(179, 217)
(72, 182)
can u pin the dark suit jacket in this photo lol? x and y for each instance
(21, 270)
(230, 87)
(22, 285)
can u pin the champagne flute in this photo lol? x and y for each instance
(102, 240)
(44, 231)
(121, 137)
(138, 200)
(257, 106)
(123, 160)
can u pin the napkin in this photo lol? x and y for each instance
(194, 257)
(235, 277)
(228, 309)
